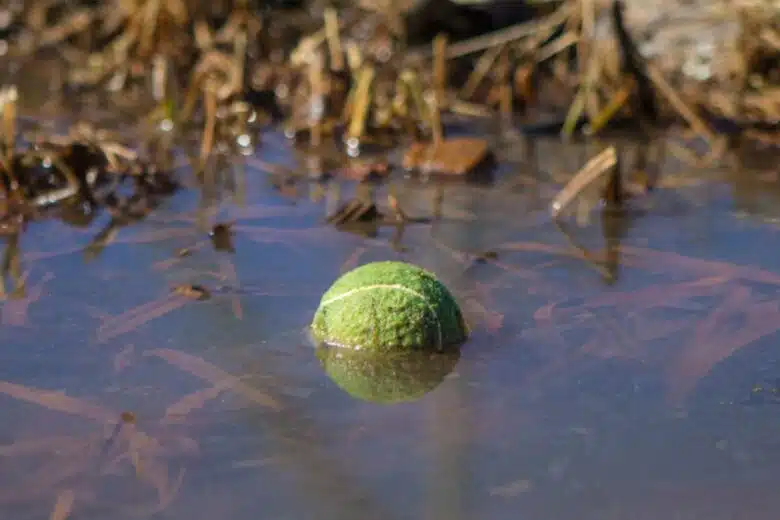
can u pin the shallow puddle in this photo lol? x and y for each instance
(638, 389)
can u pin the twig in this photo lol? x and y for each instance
(608, 112)
(595, 168)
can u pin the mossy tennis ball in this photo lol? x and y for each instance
(389, 306)
(387, 377)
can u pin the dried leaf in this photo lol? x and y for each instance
(456, 156)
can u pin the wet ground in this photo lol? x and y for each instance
(643, 390)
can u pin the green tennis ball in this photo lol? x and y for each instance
(389, 306)
(387, 377)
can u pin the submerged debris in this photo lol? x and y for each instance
(355, 211)
(364, 170)
(222, 237)
(192, 292)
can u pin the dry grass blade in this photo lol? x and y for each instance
(75, 23)
(574, 114)
(504, 91)
(593, 170)
(300, 55)
(440, 64)
(357, 124)
(334, 39)
(412, 83)
(503, 36)
(617, 102)
(682, 108)
(483, 66)
(557, 46)
(588, 17)
(9, 97)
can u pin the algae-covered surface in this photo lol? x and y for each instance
(389, 307)
(637, 386)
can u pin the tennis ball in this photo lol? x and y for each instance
(387, 377)
(389, 306)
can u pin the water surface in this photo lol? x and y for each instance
(648, 394)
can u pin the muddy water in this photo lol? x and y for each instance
(644, 391)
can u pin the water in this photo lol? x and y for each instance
(649, 396)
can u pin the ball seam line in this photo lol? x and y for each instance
(396, 287)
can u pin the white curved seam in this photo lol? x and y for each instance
(431, 308)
